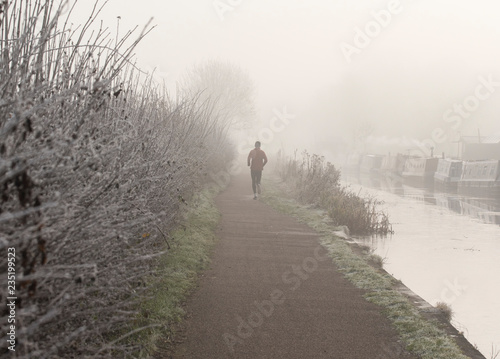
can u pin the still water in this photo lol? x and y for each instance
(446, 248)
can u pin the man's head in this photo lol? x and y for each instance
(257, 144)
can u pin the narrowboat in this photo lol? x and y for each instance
(393, 164)
(448, 173)
(480, 177)
(420, 171)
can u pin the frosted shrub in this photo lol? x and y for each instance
(95, 168)
(317, 182)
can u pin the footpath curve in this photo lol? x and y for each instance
(271, 292)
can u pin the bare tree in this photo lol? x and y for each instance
(227, 88)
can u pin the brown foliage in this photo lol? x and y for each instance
(318, 182)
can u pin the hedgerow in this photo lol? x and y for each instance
(96, 165)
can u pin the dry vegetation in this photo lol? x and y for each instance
(95, 168)
(315, 181)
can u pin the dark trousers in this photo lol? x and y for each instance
(256, 176)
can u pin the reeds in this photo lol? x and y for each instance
(317, 182)
(96, 166)
(446, 310)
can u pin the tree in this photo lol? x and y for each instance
(226, 88)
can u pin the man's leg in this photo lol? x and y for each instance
(258, 178)
(254, 182)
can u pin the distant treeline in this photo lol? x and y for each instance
(95, 169)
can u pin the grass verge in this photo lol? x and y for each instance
(421, 336)
(177, 273)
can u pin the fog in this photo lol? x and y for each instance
(372, 76)
(339, 77)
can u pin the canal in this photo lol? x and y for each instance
(445, 248)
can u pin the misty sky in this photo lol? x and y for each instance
(337, 65)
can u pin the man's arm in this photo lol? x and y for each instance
(248, 158)
(265, 159)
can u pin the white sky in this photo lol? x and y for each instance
(425, 60)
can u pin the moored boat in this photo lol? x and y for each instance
(393, 164)
(448, 173)
(481, 177)
(420, 171)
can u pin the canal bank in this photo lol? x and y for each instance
(446, 249)
(411, 314)
(425, 309)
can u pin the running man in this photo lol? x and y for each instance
(257, 159)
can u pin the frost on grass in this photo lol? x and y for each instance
(420, 336)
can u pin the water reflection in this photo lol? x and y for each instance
(482, 206)
(445, 248)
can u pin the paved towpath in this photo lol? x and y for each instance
(271, 293)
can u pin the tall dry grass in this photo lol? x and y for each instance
(316, 181)
(95, 168)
